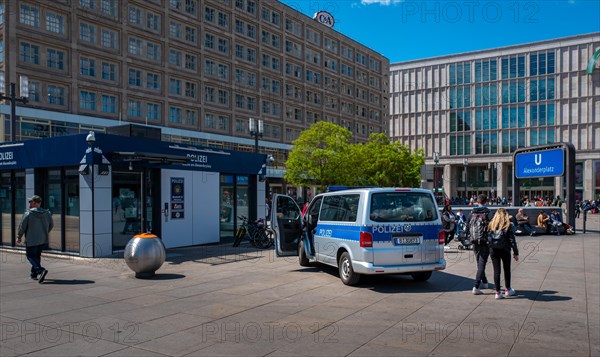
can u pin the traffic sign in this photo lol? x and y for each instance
(544, 163)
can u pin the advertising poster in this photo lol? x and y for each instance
(177, 197)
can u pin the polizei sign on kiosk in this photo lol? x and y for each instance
(546, 163)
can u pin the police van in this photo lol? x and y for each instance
(363, 231)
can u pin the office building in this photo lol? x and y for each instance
(196, 70)
(473, 110)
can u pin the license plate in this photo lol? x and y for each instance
(407, 240)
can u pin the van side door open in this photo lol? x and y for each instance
(286, 221)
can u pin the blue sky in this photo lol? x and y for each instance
(404, 30)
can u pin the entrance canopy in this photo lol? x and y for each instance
(68, 150)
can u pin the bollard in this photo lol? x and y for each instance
(145, 254)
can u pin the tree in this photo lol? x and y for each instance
(317, 156)
(323, 156)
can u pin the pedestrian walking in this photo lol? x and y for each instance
(448, 225)
(501, 241)
(477, 231)
(35, 225)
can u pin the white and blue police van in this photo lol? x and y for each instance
(363, 231)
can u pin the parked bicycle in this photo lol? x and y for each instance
(256, 232)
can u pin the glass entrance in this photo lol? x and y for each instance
(126, 198)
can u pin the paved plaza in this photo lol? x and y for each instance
(224, 301)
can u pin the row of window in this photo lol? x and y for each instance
(55, 22)
(540, 115)
(540, 63)
(512, 92)
(487, 142)
(106, 70)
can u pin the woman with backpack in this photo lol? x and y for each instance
(501, 240)
(448, 225)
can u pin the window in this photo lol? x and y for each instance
(223, 45)
(175, 57)
(190, 62)
(109, 39)
(29, 15)
(175, 86)
(55, 59)
(153, 22)
(34, 91)
(190, 89)
(223, 97)
(135, 77)
(87, 100)
(55, 23)
(87, 32)
(109, 104)
(87, 67)
(153, 111)
(30, 53)
(153, 51)
(56, 95)
(109, 71)
(153, 81)
(209, 41)
(175, 115)
(135, 16)
(486, 70)
(344, 208)
(135, 108)
(175, 30)
(190, 117)
(135, 46)
(459, 73)
(190, 34)
(209, 95)
(108, 7)
(209, 14)
(513, 66)
(223, 20)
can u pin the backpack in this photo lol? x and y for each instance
(478, 229)
(496, 239)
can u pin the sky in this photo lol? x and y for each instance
(404, 30)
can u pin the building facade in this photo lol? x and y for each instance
(471, 111)
(198, 70)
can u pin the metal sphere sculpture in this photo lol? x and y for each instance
(145, 254)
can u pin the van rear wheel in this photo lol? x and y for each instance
(347, 274)
(421, 276)
(302, 258)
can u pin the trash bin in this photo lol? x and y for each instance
(145, 254)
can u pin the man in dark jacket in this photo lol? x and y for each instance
(480, 247)
(36, 224)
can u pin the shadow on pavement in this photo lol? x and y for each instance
(67, 282)
(163, 277)
(544, 295)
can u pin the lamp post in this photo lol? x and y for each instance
(465, 164)
(256, 128)
(91, 140)
(12, 97)
(436, 160)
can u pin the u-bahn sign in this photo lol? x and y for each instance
(551, 160)
(544, 163)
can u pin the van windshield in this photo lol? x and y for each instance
(402, 207)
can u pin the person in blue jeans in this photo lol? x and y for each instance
(481, 249)
(500, 255)
(35, 225)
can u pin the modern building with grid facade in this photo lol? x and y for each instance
(199, 69)
(471, 111)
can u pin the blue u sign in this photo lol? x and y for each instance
(548, 163)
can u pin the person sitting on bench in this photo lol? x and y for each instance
(523, 222)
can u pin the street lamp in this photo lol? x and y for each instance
(465, 164)
(12, 97)
(436, 160)
(256, 128)
(91, 140)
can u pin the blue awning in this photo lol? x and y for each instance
(68, 151)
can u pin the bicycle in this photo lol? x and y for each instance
(255, 232)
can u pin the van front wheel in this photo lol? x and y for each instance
(421, 276)
(347, 274)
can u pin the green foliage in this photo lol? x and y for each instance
(323, 156)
